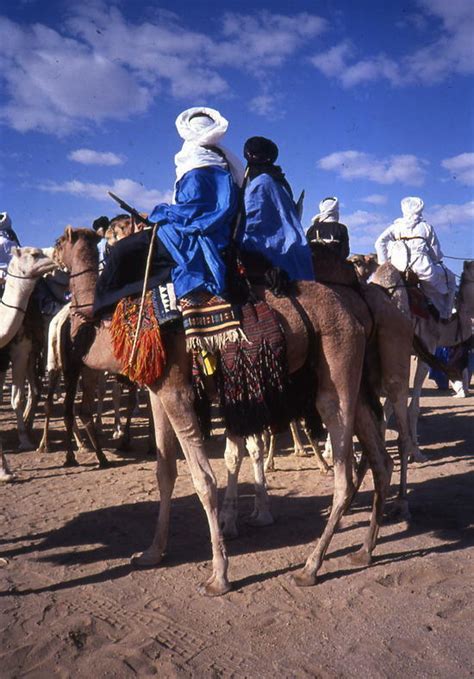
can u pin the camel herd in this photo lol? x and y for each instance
(360, 339)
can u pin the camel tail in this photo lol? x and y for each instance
(424, 354)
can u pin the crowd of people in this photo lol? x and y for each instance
(219, 208)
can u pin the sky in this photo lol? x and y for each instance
(368, 101)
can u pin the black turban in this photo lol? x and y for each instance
(260, 151)
(101, 223)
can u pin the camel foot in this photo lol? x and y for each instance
(43, 450)
(399, 512)
(214, 586)
(260, 518)
(418, 456)
(229, 528)
(7, 477)
(71, 462)
(270, 467)
(300, 452)
(303, 578)
(104, 463)
(146, 559)
(361, 557)
(26, 445)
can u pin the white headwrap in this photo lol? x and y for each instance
(328, 210)
(412, 209)
(199, 131)
(5, 221)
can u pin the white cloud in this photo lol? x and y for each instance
(447, 49)
(128, 189)
(364, 229)
(91, 157)
(100, 66)
(375, 199)
(452, 216)
(406, 169)
(461, 168)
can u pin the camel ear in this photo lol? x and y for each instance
(15, 252)
(69, 233)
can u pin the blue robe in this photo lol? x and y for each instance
(272, 228)
(198, 228)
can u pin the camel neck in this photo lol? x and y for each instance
(14, 302)
(83, 279)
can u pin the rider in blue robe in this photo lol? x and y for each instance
(272, 227)
(197, 228)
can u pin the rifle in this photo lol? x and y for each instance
(299, 205)
(131, 210)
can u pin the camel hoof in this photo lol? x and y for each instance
(300, 452)
(146, 559)
(214, 587)
(25, 446)
(104, 463)
(361, 557)
(418, 456)
(400, 511)
(7, 477)
(260, 519)
(42, 450)
(304, 579)
(229, 530)
(71, 462)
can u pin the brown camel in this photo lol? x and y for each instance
(83, 266)
(342, 405)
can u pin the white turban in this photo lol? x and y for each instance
(412, 208)
(201, 127)
(5, 221)
(328, 210)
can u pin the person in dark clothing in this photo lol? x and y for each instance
(326, 229)
(126, 263)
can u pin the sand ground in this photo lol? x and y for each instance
(72, 606)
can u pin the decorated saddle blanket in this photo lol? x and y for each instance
(253, 375)
(209, 321)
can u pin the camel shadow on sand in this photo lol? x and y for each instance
(443, 507)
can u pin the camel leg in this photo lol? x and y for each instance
(261, 515)
(20, 354)
(34, 386)
(298, 447)
(116, 399)
(71, 378)
(323, 465)
(368, 432)
(340, 430)
(86, 412)
(124, 443)
(166, 472)
(328, 450)
(3, 377)
(178, 404)
(101, 391)
(53, 381)
(414, 410)
(233, 456)
(6, 475)
(270, 461)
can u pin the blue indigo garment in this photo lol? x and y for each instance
(272, 228)
(198, 228)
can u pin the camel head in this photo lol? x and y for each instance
(30, 263)
(365, 265)
(76, 243)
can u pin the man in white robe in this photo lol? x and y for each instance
(424, 254)
(8, 240)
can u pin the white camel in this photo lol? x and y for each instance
(26, 266)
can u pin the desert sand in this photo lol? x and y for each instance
(72, 605)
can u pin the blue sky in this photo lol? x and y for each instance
(369, 101)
